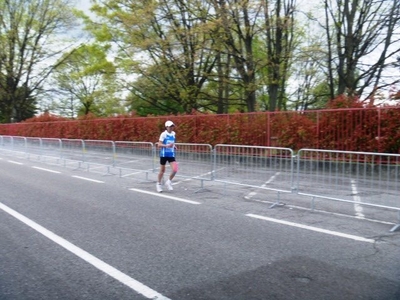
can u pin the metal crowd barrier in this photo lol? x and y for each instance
(19, 144)
(15, 145)
(268, 168)
(72, 149)
(133, 157)
(34, 147)
(7, 143)
(359, 178)
(99, 152)
(194, 161)
(51, 149)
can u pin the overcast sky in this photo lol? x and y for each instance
(83, 4)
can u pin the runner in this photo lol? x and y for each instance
(167, 147)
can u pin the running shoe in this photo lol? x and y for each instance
(168, 184)
(159, 187)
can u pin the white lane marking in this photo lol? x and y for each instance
(327, 212)
(88, 179)
(47, 170)
(198, 176)
(166, 196)
(89, 258)
(357, 207)
(250, 195)
(339, 234)
(129, 174)
(15, 162)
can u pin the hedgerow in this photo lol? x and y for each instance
(345, 125)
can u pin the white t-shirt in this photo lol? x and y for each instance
(167, 138)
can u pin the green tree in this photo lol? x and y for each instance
(86, 82)
(166, 44)
(199, 54)
(238, 19)
(27, 46)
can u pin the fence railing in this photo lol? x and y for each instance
(360, 178)
(261, 167)
(133, 157)
(345, 176)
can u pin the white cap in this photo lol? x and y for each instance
(169, 123)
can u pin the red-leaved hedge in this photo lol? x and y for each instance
(350, 127)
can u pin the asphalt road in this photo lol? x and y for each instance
(71, 234)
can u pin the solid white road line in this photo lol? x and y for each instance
(47, 170)
(94, 261)
(335, 233)
(357, 207)
(88, 179)
(165, 196)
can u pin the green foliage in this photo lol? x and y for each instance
(166, 45)
(88, 83)
(27, 50)
(197, 55)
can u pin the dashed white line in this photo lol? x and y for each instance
(130, 174)
(15, 162)
(316, 229)
(88, 179)
(197, 177)
(250, 195)
(165, 196)
(357, 200)
(89, 258)
(47, 170)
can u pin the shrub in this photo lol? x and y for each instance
(345, 125)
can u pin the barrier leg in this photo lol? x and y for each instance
(202, 188)
(397, 226)
(278, 202)
(108, 172)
